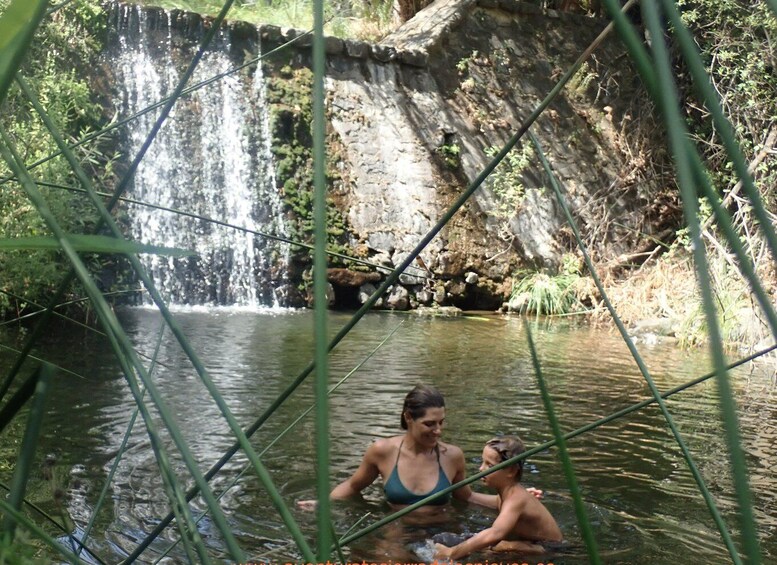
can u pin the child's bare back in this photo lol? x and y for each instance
(523, 521)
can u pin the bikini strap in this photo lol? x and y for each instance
(398, 452)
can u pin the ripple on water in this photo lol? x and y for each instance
(640, 496)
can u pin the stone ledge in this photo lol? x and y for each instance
(409, 45)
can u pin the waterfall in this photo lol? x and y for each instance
(211, 158)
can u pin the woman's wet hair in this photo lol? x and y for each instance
(418, 400)
(508, 447)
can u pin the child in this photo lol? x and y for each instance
(523, 522)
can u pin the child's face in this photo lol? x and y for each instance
(490, 458)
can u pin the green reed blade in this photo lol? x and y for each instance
(637, 357)
(68, 318)
(122, 348)
(74, 541)
(545, 446)
(261, 471)
(167, 519)
(338, 548)
(91, 244)
(18, 400)
(27, 449)
(17, 28)
(773, 5)
(392, 278)
(188, 90)
(232, 226)
(722, 124)
(119, 190)
(40, 360)
(122, 448)
(323, 510)
(681, 150)
(582, 516)
(22, 520)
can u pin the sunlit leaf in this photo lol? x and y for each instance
(92, 244)
(17, 26)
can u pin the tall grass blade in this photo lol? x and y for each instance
(261, 471)
(722, 125)
(13, 514)
(91, 244)
(773, 5)
(130, 364)
(547, 445)
(681, 150)
(27, 449)
(582, 516)
(726, 536)
(120, 453)
(17, 27)
(167, 519)
(320, 283)
(18, 400)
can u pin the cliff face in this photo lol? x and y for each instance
(414, 120)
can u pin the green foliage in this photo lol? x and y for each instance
(66, 45)
(548, 295)
(583, 78)
(451, 155)
(18, 23)
(289, 95)
(343, 18)
(736, 39)
(506, 181)
(20, 551)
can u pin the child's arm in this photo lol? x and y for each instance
(499, 530)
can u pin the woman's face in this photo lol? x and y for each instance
(427, 428)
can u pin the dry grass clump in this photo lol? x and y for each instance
(664, 298)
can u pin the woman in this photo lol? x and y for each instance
(416, 464)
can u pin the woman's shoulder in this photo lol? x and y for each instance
(449, 450)
(385, 446)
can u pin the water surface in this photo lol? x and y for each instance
(641, 498)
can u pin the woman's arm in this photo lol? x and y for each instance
(466, 494)
(363, 477)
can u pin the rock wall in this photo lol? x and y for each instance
(413, 120)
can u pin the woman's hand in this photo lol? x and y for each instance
(538, 494)
(309, 505)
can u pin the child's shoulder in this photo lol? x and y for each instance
(517, 495)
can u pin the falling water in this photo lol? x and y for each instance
(211, 158)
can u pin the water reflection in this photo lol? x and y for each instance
(641, 498)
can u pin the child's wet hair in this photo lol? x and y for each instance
(508, 447)
(418, 400)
